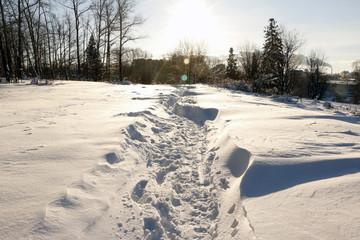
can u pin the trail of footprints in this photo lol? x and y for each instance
(184, 193)
(177, 197)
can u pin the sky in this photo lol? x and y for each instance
(332, 26)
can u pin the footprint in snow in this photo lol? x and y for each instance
(138, 191)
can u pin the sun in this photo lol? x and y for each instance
(192, 19)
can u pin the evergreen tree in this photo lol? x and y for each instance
(93, 62)
(231, 69)
(273, 53)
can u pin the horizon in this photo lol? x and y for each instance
(229, 23)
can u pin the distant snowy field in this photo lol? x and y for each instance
(82, 160)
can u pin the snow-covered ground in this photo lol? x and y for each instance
(81, 160)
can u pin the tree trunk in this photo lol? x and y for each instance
(30, 23)
(20, 45)
(6, 41)
(3, 60)
(49, 46)
(77, 45)
(120, 64)
(121, 47)
(108, 56)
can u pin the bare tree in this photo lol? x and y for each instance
(36, 40)
(7, 61)
(250, 63)
(70, 41)
(20, 46)
(33, 24)
(87, 30)
(49, 35)
(127, 22)
(99, 9)
(200, 65)
(292, 43)
(18, 11)
(59, 45)
(217, 70)
(79, 7)
(4, 61)
(316, 64)
(135, 53)
(194, 58)
(110, 19)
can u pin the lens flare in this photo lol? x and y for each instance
(184, 78)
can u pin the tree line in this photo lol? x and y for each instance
(66, 39)
(276, 67)
(89, 40)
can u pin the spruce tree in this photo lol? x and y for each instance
(273, 53)
(93, 62)
(231, 69)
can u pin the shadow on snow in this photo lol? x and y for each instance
(262, 179)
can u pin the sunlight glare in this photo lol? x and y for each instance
(192, 19)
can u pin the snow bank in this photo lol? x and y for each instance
(228, 166)
(195, 113)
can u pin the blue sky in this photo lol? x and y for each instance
(331, 26)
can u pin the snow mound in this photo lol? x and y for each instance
(229, 163)
(183, 105)
(188, 93)
(238, 161)
(230, 157)
(195, 113)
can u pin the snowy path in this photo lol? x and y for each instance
(102, 161)
(177, 194)
(160, 179)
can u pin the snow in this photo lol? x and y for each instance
(82, 160)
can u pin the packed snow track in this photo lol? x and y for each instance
(162, 175)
